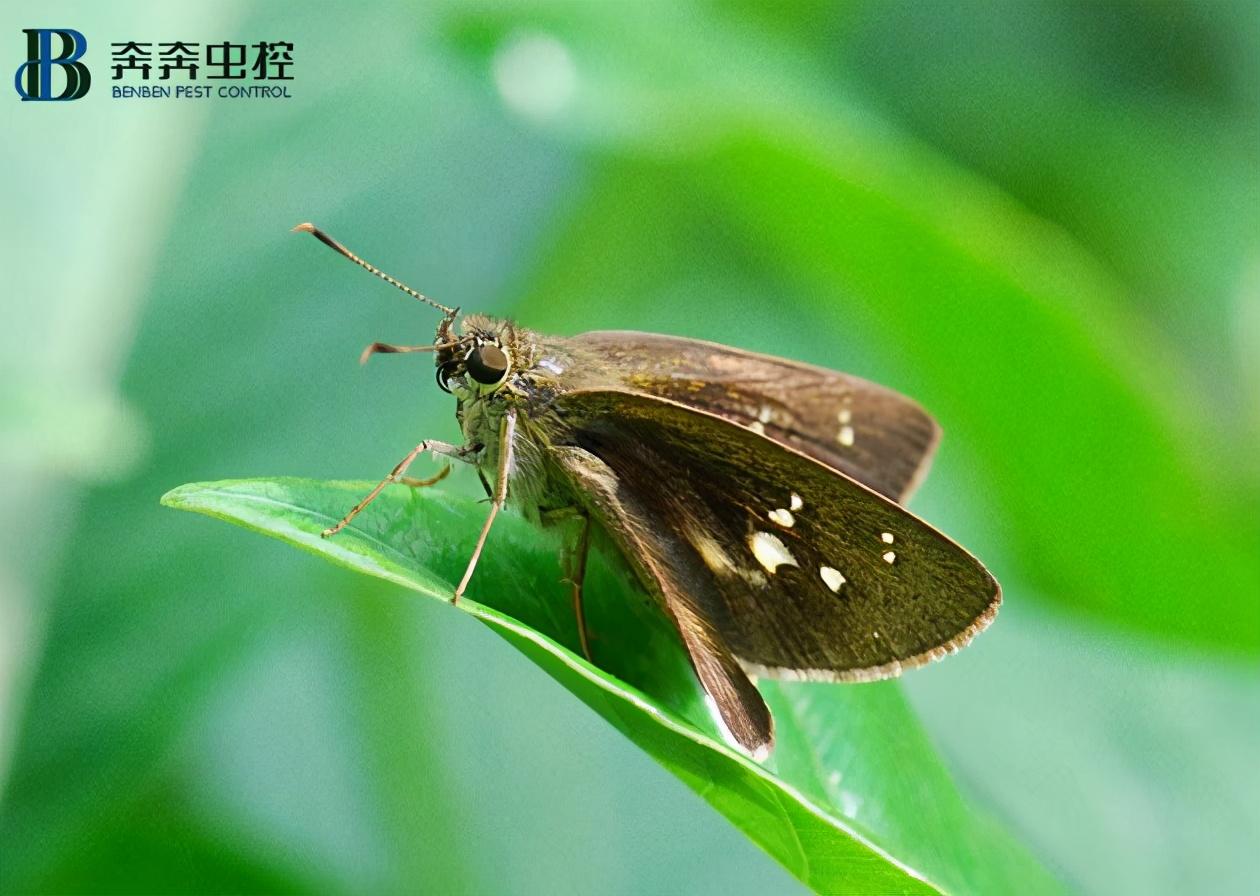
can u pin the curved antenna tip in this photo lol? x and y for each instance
(307, 227)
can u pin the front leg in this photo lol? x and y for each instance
(459, 452)
(507, 442)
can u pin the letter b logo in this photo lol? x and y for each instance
(35, 76)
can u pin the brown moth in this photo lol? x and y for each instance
(756, 498)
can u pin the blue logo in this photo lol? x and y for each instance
(34, 78)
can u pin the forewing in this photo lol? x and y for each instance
(875, 435)
(817, 576)
(663, 564)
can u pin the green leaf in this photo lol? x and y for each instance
(854, 799)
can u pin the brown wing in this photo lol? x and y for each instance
(880, 438)
(661, 559)
(815, 575)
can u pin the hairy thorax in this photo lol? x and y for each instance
(534, 486)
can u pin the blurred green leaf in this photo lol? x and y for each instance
(1136, 126)
(1059, 714)
(854, 798)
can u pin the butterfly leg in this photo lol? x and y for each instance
(577, 574)
(507, 440)
(575, 565)
(425, 483)
(396, 475)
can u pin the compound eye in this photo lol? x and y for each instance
(444, 374)
(487, 364)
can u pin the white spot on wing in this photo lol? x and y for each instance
(845, 416)
(711, 553)
(832, 578)
(764, 415)
(796, 502)
(758, 427)
(783, 517)
(770, 551)
(887, 538)
(720, 562)
(890, 557)
(846, 436)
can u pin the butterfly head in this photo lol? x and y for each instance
(476, 361)
(479, 362)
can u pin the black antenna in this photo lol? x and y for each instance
(333, 244)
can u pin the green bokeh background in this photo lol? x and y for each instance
(1040, 219)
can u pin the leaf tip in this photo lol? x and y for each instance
(178, 496)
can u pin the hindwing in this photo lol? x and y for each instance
(802, 571)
